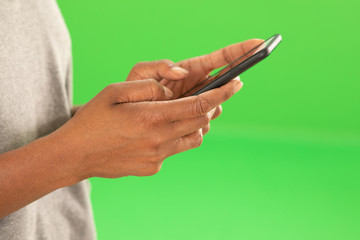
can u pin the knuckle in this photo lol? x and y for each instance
(204, 120)
(198, 139)
(153, 169)
(112, 91)
(201, 106)
(155, 146)
(227, 95)
(206, 129)
(139, 65)
(157, 119)
(152, 120)
(155, 87)
(166, 62)
(153, 158)
(156, 156)
(145, 119)
(137, 70)
(157, 142)
(111, 87)
(153, 83)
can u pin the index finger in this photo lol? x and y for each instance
(228, 54)
(194, 106)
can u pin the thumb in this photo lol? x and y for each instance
(138, 91)
(157, 70)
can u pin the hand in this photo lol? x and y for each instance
(184, 75)
(130, 128)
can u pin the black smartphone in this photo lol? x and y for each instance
(237, 67)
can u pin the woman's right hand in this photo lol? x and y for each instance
(129, 128)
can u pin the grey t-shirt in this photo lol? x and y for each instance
(35, 99)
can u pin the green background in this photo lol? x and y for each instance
(282, 162)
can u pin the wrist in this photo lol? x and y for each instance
(57, 160)
(34, 170)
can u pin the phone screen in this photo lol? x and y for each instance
(217, 73)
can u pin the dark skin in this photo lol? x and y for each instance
(127, 129)
(182, 76)
(196, 69)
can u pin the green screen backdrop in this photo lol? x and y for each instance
(282, 162)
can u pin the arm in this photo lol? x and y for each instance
(32, 171)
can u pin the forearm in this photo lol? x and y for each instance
(30, 172)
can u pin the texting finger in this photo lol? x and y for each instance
(228, 54)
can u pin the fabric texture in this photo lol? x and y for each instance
(36, 99)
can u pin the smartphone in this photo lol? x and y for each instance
(237, 67)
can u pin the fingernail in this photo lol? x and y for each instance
(240, 85)
(237, 78)
(212, 112)
(168, 93)
(237, 86)
(179, 71)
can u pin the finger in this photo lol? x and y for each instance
(187, 142)
(217, 112)
(136, 91)
(189, 125)
(206, 129)
(194, 106)
(157, 70)
(228, 54)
